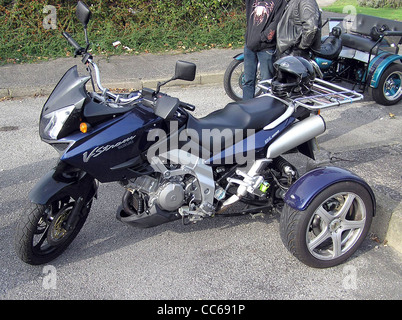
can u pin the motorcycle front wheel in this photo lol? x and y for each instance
(332, 227)
(41, 235)
(233, 80)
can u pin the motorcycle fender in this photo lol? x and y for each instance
(379, 65)
(49, 186)
(304, 190)
(239, 57)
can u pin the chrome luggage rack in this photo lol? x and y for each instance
(325, 95)
(322, 95)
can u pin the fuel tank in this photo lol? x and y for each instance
(324, 64)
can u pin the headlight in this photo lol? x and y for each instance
(52, 123)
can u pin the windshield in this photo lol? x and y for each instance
(62, 111)
(69, 91)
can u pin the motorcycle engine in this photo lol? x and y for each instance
(168, 194)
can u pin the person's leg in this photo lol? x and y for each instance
(266, 64)
(250, 69)
(271, 68)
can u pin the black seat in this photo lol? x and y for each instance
(252, 114)
(361, 43)
(330, 48)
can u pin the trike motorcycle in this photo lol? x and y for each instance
(174, 166)
(362, 50)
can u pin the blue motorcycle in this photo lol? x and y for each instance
(173, 166)
(361, 50)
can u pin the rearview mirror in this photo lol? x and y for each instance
(83, 13)
(185, 71)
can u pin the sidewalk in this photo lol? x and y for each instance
(126, 71)
(144, 70)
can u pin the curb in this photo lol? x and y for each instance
(387, 224)
(132, 84)
(394, 234)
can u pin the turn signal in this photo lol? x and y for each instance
(84, 127)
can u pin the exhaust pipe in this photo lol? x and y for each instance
(296, 134)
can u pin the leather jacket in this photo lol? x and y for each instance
(299, 27)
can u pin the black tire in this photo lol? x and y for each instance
(233, 80)
(32, 242)
(389, 90)
(332, 227)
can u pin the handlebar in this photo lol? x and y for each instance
(71, 41)
(105, 91)
(187, 106)
(383, 32)
(392, 33)
(88, 59)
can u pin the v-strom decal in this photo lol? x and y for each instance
(99, 150)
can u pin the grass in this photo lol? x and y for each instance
(387, 13)
(154, 26)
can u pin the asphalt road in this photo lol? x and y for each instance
(220, 258)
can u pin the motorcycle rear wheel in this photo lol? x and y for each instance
(332, 227)
(389, 90)
(40, 236)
